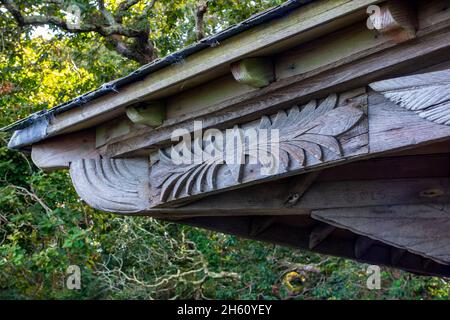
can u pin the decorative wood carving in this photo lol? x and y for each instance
(310, 135)
(421, 229)
(112, 185)
(396, 19)
(427, 94)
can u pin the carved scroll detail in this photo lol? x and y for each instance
(427, 94)
(112, 185)
(304, 133)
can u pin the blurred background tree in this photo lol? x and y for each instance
(44, 227)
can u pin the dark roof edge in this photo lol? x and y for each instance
(211, 41)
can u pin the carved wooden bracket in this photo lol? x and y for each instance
(396, 19)
(427, 94)
(112, 185)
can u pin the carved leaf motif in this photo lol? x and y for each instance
(310, 130)
(426, 94)
(301, 131)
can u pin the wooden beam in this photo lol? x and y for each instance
(255, 72)
(277, 95)
(59, 152)
(210, 63)
(314, 135)
(354, 137)
(397, 19)
(287, 232)
(421, 229)
(151, 114)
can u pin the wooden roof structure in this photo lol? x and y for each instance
(358, 94)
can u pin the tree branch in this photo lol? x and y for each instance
(61, 23)
(199, 16)
(130, 41)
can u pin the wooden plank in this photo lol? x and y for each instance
(330, 51)
(110, 131)
(393, 127)
(339, 60)
(426, 94)
(215, 91)
(276, 95)
(421, 229)
(399, 166)
(151, 114)
(59, 152)
(328, 195)
(257, 72)
(302, 23)
(341, 243)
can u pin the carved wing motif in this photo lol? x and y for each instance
(427, 94)
(301, 130)
(112, 185)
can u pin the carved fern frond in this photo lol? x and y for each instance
(426, 94)
(302, 131)
(310, 130)
(177, 180)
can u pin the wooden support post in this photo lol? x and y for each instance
(255, 72)
(396, 19)
(151, 114)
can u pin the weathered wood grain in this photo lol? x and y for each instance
(309, 136)
(59, 152)
(309, 21)
(280, 94)
(421, 229)
(328, 195)
(112, 185)
(427, 94)
(393, 127)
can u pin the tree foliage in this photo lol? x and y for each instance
(44, 227)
